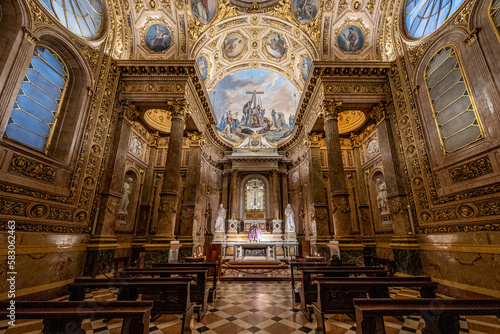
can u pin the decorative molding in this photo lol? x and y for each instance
(471, 170)
(32, 169)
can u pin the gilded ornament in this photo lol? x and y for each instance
(471, 170)
(32, 169)
(29, 36)
(342, 5)
(178, 108)
(466, 211)
(159, 21)
(38, 211)
(331, 109)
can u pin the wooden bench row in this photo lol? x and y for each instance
(66, 317)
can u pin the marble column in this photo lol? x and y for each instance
(350, 248)
(284, 193)
(103, 241)
(363, 205)
(276, 199)
(319, 204)
(189, 199)
(168, 208)
(403, 242)
(234, 212)
(225, 188)
(147, 199)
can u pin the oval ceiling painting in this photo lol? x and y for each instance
(203, 10)
(158, 37)
(305, 67)
(254, 101)
(305, 10)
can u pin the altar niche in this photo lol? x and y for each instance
(254, 205)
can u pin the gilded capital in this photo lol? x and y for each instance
(129, 110)
(378, 112)
(29, 36)
(195, 138)
(314, 139)
(331, 110)
(178, 108)
(155, 139)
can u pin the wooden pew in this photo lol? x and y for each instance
(336, 295)
(211, 266)
(170, 296)
(199, 291)
(309, 292)
(440, 315)
(58, 317)
(298, 265)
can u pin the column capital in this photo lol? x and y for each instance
(195, 138)
(314, 139)
(379, 111)
(29, 36)
(178, 108)
(155, 139)
(129, 110)
(331, 109)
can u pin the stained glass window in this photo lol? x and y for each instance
(453, 106)
(32, 118)
(495, 14)
(82, 17)
(425, 16)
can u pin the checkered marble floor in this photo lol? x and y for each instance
(257, 307)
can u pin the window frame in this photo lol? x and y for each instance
(57, 113)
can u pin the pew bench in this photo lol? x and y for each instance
(308, 291)
(169, 296)
(213, 267)
(441, 316)
(66, 317)
(199, 291)
(337, 295)
(298, 265)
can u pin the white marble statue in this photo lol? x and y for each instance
(382, 196)
(313, 228)
(221, 219)
(290, 223)
(125, 199)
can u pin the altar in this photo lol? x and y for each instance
(254, 236)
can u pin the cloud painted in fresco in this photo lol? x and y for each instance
(230, 93)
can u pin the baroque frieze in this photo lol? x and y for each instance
(471, 170)
(32, 169)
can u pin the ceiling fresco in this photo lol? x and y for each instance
(254, 101)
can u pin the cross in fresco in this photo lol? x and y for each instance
(254, 97)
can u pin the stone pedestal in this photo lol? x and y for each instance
(277, 226)
(219, 237)
(232, 226)
(407, 254)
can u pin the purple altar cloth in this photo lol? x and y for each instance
(254, 233)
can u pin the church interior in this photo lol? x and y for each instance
(258, 148)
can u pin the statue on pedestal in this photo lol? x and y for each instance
(290, 223)
(382, 196)
(125, 199)
(254, 233)
(221, 219)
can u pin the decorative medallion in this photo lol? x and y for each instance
(305, 66)
(352, 36)
(295, 177)
(275, 45)
(234, 45)
(214, 177)
(203, 66)
(203, 10)
(305, 10)
(157, 37)
(372, 147)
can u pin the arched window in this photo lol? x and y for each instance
(495, 14)
(37, 105)
(81, 17)
(452, 105)
(425, 16)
